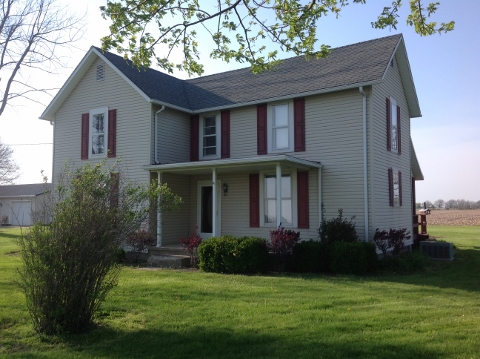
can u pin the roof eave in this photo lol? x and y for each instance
(416, 170)
(271, 99)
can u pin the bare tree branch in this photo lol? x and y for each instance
(8, 168)
(31, 33)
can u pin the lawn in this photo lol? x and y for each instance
(191, 314)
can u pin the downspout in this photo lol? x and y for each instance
(155, 131)
(365, 167)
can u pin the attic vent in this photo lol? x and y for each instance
(437, 250)
(100, 72)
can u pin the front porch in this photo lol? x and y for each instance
(217, 196)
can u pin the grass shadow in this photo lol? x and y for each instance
(199, 342)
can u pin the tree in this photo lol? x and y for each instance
(70, 265)
(8, 168)
(31, 33)
(452, 203)
(439, 203)
(144, 29)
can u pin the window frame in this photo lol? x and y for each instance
(92, 113)
(393, 114)
(271, 128)
(294, 199)
(218, 136)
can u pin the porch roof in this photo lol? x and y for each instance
(235, 165)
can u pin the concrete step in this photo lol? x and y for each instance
(169, 261)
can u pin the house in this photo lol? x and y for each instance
(20, 203)
(240, 148)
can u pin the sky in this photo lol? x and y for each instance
(445, 70)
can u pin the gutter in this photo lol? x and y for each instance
(155, 131)
(365, 167)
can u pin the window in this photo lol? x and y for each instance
(393, 125)
(210, 136)
(98, 132)
(280, 127)
(288, 195)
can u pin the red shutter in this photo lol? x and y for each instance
(400, 186)
(399, 131)
(254, 201)
(194, 137)
(302, 200)
(299, 124)
(262, 129)
(389, 130)
(225, 134)
(112, 133)
(84, 138)
(390, 186)
(114, 189)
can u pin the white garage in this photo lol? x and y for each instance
(19, 203)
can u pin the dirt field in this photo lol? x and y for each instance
(454, 217)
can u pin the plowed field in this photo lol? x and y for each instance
(454, 217)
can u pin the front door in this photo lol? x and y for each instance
(205, 208)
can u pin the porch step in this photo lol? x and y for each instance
(169, 261)
(167, 251)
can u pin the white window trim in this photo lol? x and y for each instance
(393, 112)
(93, 112)
(396, 198)
(293, 177)
(270, 128)
(218, 130)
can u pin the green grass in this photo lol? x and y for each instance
(190, 314)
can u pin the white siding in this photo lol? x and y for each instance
(133, 123)
(176, 224)
(383, 215)
(173, 136)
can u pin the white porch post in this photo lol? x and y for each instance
(159, 212)
(278, 195)
(214, 202)
(320, 197)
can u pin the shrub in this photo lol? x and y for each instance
(191, 244)
(140, 241)
(393, 239)
(406, 263)
(352, 257)
(228, 254)
(337, 230)
(70, 266)
(310, 256)
(281, 244)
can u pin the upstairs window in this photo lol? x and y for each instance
(210, 136)
(98, 132)
(393, 126)
(280, 127)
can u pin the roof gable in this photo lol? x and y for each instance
(360, 64)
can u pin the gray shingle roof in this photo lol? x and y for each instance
(348, 65)
(20, 190)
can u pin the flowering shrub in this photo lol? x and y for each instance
(140, 241)
(281, 244)
(393, 238)
(191, 244)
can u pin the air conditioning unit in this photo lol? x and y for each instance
(437, 250)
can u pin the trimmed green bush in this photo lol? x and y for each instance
(352, 257)
(310, 256)
(229, 254)
(405, 263)
(337, 230)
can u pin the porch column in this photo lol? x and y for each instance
(320, 214)
(278, 195)
(159, 212)
(214, 202)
